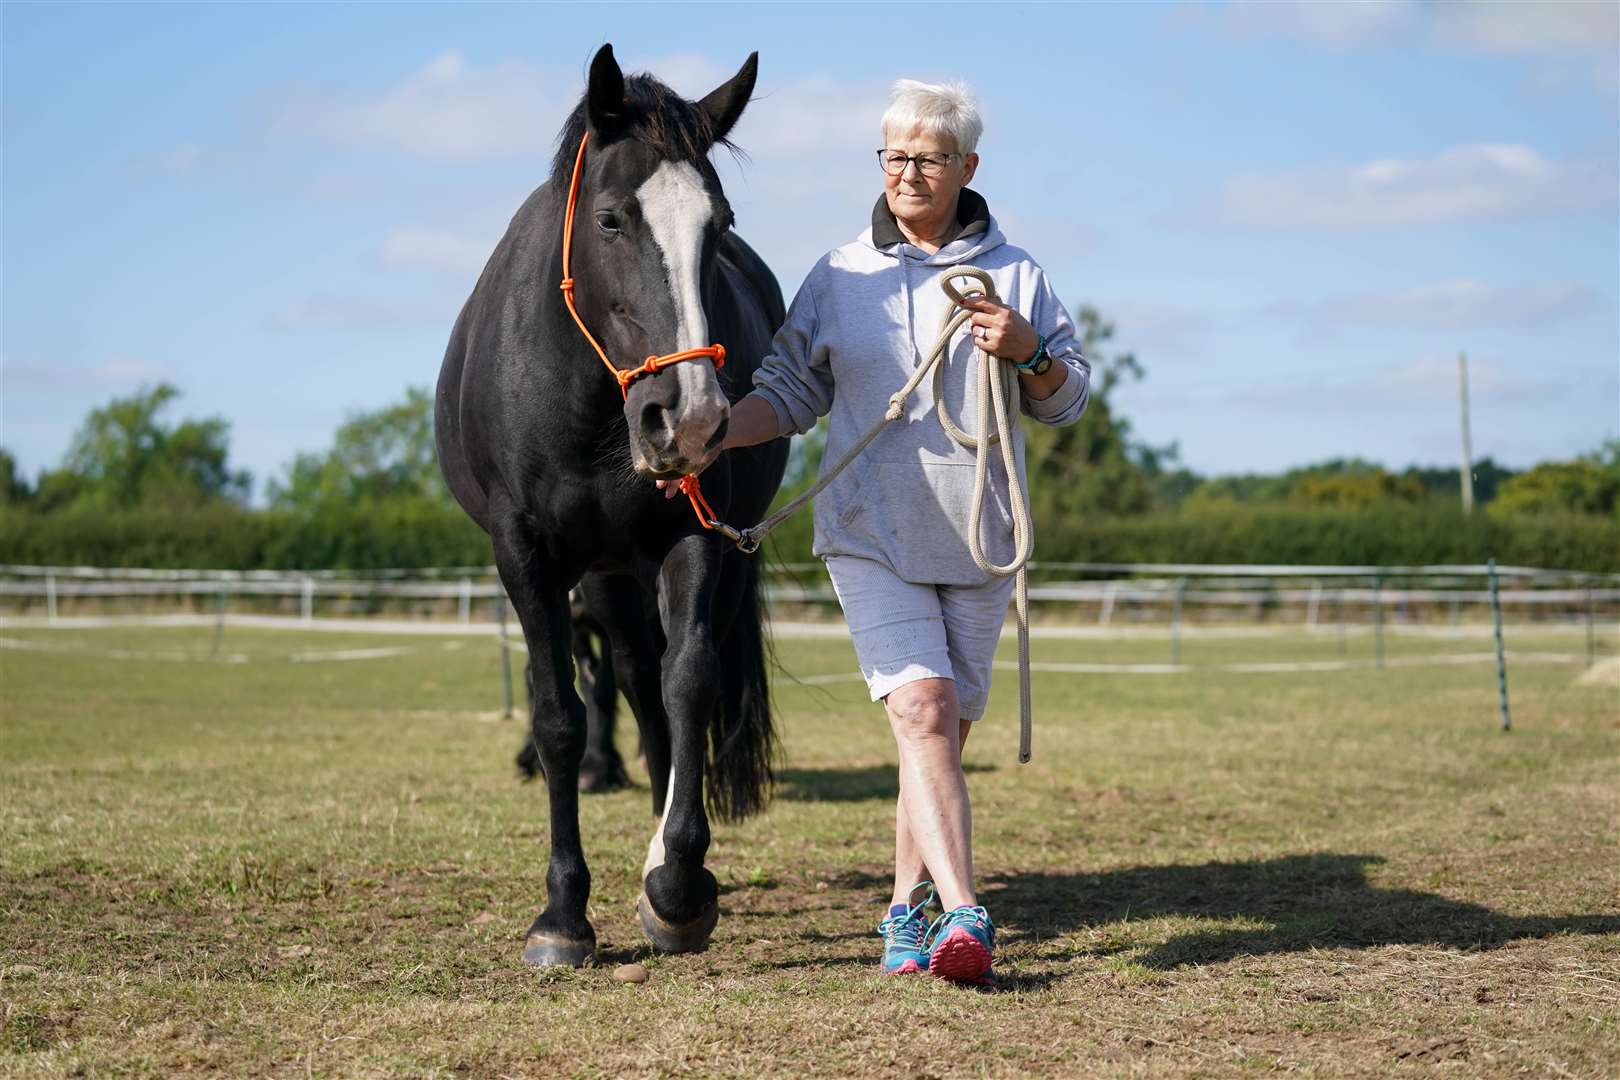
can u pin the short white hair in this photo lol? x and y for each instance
(944, 109)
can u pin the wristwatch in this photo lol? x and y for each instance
(1040, 363)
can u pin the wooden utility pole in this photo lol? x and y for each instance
(1467, 448)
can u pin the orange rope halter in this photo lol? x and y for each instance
(653, 364)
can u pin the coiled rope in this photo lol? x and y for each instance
(997, 385)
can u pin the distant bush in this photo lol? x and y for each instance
(1389, 535)
(407, 533)
(399, 533)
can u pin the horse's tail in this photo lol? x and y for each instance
(742, 739)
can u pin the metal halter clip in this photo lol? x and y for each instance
(726, 531)
(746, 542)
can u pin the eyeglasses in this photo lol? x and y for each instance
(894, 162)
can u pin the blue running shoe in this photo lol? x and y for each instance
(961, 941)
(903, 932)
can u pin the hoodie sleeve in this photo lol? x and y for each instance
(795, 379)
(1052, 319)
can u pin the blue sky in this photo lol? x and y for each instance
(1297, 215)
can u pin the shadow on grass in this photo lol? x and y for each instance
(869, 784)
(1309, 901)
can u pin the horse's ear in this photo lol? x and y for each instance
(604, 93)
(726, 102)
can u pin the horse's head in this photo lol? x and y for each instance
(646, 230)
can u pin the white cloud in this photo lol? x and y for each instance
(1480, 181)
(1550, 33)
(445, 110)
(31, 375)
(366, 313)
(1448, 304)
(1322, 22)
(1160, 333)
(1529, 28)
(1418, 385)
(435, 249)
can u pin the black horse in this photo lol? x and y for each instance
(541, 449)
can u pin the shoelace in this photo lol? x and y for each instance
(948, 919)
(909, 930)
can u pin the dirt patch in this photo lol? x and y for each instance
(1602, 673)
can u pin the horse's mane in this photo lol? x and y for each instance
(655, 116)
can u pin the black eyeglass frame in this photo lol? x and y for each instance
(883, 162)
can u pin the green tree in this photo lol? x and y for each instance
(1096, 465)
(13, 485)
(1356, 490)
(1588, 485)
(124, 455)
(1445, 483)
(377, 456)
(1346, 483)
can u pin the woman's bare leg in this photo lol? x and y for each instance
(909, 867)
(934, 821)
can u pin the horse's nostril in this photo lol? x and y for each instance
(655, 426)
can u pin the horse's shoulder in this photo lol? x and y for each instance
(734, 250)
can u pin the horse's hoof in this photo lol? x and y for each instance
(602, 779)
(550, 950)
(669, 938)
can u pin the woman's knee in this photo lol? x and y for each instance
(926, 709)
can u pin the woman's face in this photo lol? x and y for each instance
(926, 203)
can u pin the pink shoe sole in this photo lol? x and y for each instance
(961, 957)
(910, 967)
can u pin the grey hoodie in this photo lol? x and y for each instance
(855, 332)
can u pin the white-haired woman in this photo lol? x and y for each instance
(893, 528)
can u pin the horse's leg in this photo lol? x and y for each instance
(602, 768)
(679, 899)
(561, 934)
(620, 604)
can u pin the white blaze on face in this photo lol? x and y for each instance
(655, 847)
(677, 208)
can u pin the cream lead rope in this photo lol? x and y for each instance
(997, 383)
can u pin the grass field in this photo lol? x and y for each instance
(266, 865)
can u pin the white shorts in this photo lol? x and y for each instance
(904, 631)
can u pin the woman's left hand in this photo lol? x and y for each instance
(1001, 331)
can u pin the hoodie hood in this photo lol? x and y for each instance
(979, 234)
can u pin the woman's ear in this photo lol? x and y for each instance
(604, 94)
(970, 165)
(726, 102)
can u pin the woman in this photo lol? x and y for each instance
(893, 527)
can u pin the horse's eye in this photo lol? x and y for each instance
(608, 222)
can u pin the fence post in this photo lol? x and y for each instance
(506, 656)
(1591, 639)
(1106, 614)
(1316, 601)
(1501, 660)
(50, 599)
(1378, 618)
(308, 611)
(219, 619)
(1340, 607)
(466, 600)
(1175, 624)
